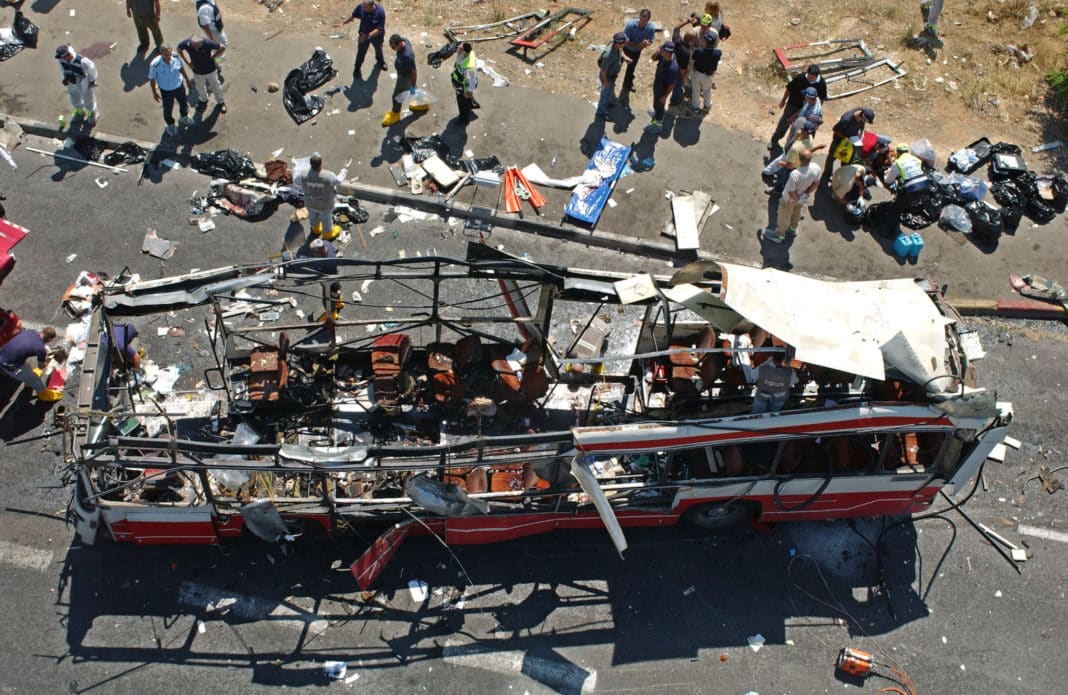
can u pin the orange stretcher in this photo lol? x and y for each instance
(517, 189)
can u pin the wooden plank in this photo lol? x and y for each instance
(686, 236)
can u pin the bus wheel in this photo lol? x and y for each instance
(716, 515)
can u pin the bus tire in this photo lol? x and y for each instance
(717, 515)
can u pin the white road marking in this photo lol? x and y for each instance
(560, 675)
(1046, 533)
(217, 603)
(25, 557)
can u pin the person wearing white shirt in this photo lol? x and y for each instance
(803, 181)
(79, 77)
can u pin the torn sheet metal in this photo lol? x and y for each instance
(153, 245)
(859, 327)
(580, 468)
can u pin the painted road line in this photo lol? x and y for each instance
(219, 603)
(1048, 534)
(559, 675)
(25, 557)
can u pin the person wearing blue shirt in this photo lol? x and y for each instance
(406, 77)
(24, 345)
(166, 75)
(640, 34)
(667, 74)
(372, 32)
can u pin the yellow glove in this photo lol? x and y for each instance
(38, 371)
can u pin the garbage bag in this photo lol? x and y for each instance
(986, 220)
(925, 151)
(356, 213)
(1007, 194)
(1010, 219)
(955, 218)
(882, 219)
(1039, 211)
(439, 56)
(1060, 193)
(970, 188)
(8, 50)
(87, 147)
(315, 72)
(423, 148)
(25, 30)
(225, 164)
(126, 153)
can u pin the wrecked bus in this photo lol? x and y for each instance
(490, 398)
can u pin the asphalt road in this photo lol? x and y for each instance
(559, 613)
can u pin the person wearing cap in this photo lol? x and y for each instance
(796, 129)
(166, 75)
(404, 62)
(793, 98)
(79, 77)
(802, 183)
(703, 65)
(321, 248)
(907, 178)
(781, 166)
(813, 106)
(610, 62)
(849, 126)
(464, 79)
(371, 32)
(201, 54)
(145, 15)
(320, 188)
(640, 35)
(685, 41)
(667, 74)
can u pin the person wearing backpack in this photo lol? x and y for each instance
(210, 20)
(610, 62)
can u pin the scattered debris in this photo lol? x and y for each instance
(272, 87)
(756, 642)
(418, 590)
(155, 246)
(335, 670)
(1049, 483)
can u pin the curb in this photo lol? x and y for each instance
(389, 196)
(1011, 309)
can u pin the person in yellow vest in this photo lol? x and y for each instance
(464, 81)
(906, 178)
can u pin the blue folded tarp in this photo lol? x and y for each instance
(609, 157)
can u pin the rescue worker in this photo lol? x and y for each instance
(79, 77)
(404, 62)
(464, 81)
(371, 32)
(907, 179)
(774, 379)
(320, 188)
(24, 345)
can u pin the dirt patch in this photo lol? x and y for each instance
(972, 87)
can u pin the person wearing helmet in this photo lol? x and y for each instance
(906, 178)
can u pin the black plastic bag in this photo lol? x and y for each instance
(25, 30)
(423, 148)
(315, 72)
(1010, 219)
(986, 220)
(126, 153)
(88, 147)
(1060, 193)
(225, 164)
(1005, 148)
(882, 219)
(9, 50)
(1007, 194)
(439, 56)
(1039, 211)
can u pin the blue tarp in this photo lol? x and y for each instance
(609, 157)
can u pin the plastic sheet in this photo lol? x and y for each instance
(315, 72)
(924, 150)
(227, 164)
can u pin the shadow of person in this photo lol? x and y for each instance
(361, 92)
(40, 6)
(775, 254)
(688, 130)
(65, 167)
(154, 168)
(25, 413)
(202, 130)
(832, 213)
(454, 136)
(392, 147)
(134, 72)
(591, 139)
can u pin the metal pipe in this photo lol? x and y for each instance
(117, 170)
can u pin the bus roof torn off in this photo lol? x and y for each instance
(490, 398)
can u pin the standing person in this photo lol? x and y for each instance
(166, 75)
(803, 181)
(145, 14)
(778, 169)
(464, 81)
(79, 77)
(849, 126)
(406, 78)
(24, 345)
(201, 54)
(210, 20)
(703, 64)
(774, 379)
(667, 74)
(931, 10)
(640, 34)
(685, 41)
(793, 98)
(610, 62)
(320, 190)
(371, 32)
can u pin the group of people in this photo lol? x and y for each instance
(166, 72)
(686, 64)
(371, 32)
(793, 176)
